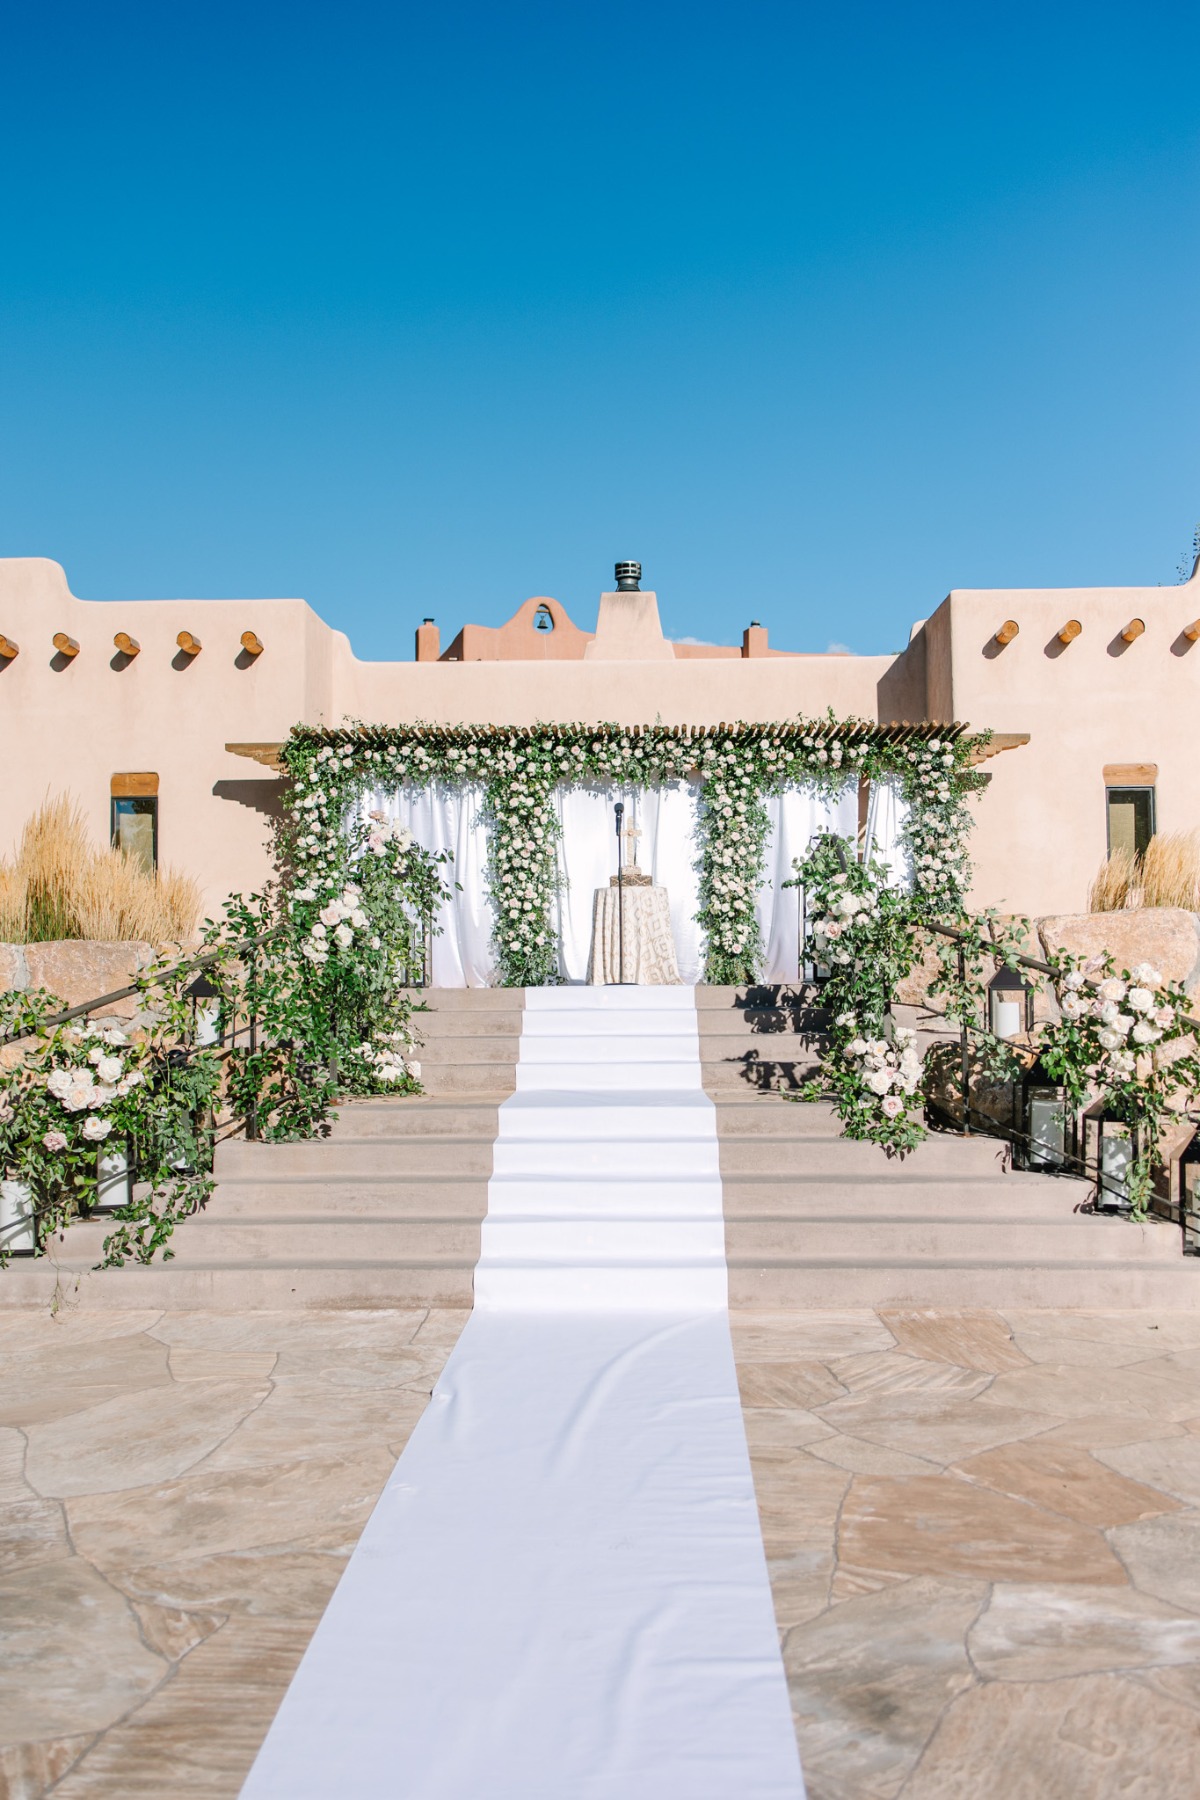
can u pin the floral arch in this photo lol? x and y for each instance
(737, 766)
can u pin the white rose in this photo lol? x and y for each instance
(848, 905)
(95, 1129)
(1146, 975)
(110, 1069)
(414, 1069)
(1141, 1000)
(344, 936)
(893, 1106)
(1108, 1011)
(857, 1048)
(879, 1081)
(1144, 1033)
(331, 914)
(1074, 980)
(1072, 1006)
(318, 931)
(1110, 1039)
(358, 919)
(59, 1082)
(1112, 989)
(1165, 1016)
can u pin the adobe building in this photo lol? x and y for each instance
(146, 711)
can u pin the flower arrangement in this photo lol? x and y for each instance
(737, 766)
(1124, 1039)
(861, 931)
(82, 1089)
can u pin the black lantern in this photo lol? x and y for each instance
(1111, 1146)
(206, 1011)
(1045, 1123)
(1189, 1192)
(1010, 1004)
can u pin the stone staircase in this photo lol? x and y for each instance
(387, 1210)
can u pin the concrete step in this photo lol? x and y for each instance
(460, 1023)
(840, 1239)
(471, 1000)
(366, 1197)
(468, 1080)
(213, 1239)
(894, 1194)
(479, 1047)
(831, 1285)
(807, 1154)
(260, 1286)
(475, 1115)
(338, 1159)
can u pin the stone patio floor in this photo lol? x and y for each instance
(983, 1530)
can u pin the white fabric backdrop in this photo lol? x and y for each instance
(797, 816)
(887, 814)
(442, 816)
(667, 850)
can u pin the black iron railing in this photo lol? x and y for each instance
(241, 1026)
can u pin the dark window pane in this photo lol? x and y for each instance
(135, 830)
(1130, 819)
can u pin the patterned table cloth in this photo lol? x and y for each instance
(649, 946)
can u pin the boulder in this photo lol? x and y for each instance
(13, 973)
(78, 970)
(1166, 936)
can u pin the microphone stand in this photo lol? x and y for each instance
(619, 811)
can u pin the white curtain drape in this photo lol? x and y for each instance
(444, 816)
(887, 814)
(796, 816)
(668, 849)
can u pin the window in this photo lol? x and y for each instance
(134, 818)
(1130, 818)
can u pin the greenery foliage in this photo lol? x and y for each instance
(310, 987)
(737, 766)
(862, 936)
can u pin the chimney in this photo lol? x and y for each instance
(754, 639)
(629, 575)
(429, 641)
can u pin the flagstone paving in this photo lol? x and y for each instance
(983, 1533)
(984, 1547)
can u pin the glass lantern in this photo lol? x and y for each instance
(1010, 1004)
(1111, 1146)
(1046, 1123)
(206, 1011)
(1189, 1193)
(114, 1178)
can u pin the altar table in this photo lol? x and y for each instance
(649, 945)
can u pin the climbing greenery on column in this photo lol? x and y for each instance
(738, 767)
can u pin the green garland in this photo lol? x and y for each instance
(738, 766)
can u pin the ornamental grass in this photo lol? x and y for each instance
(1166, 874)
(58, 885)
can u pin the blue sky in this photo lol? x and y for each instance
(818, 311)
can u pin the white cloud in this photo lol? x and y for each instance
(839, 650)
(706, 642)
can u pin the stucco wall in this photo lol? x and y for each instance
(71, 725)
(1042, 824)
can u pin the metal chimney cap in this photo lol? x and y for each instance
(629, 574)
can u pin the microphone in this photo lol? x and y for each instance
(619, 809)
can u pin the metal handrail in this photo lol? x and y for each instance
(1010, 958)
(157, 978)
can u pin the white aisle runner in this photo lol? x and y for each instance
(562, 1593)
